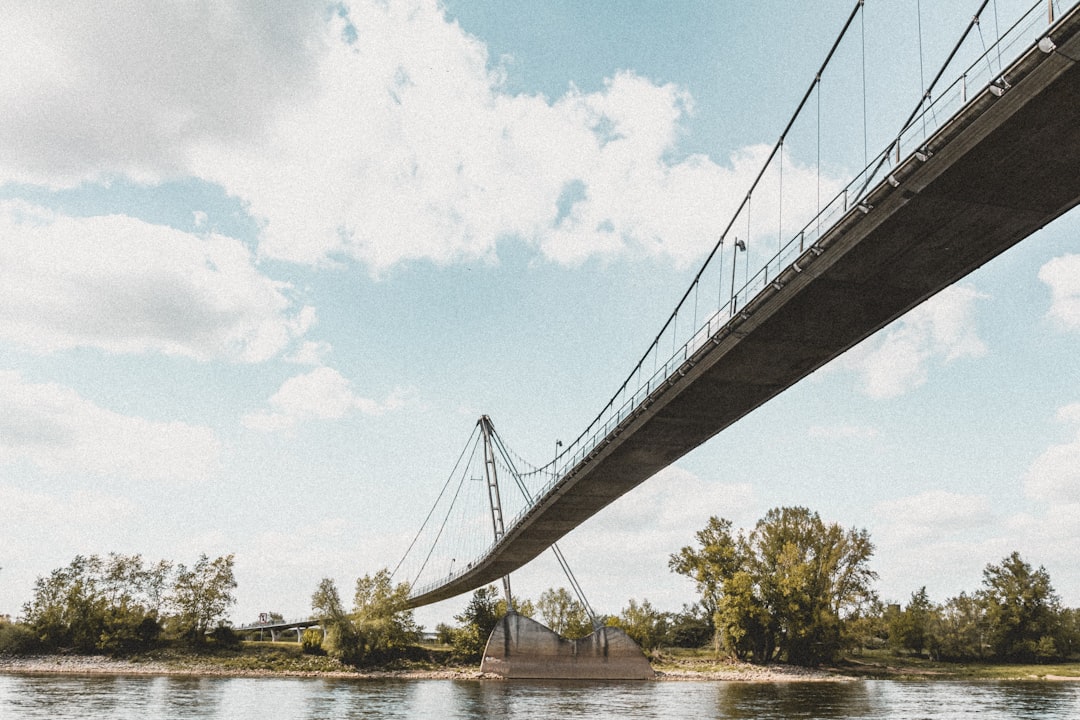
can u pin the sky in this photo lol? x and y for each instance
(264, 265)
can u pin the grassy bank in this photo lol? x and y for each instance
(251, 659)
(286, 659)
(906, 667)
(704, 662)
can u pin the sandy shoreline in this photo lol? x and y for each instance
(670, 672)
(104, 665)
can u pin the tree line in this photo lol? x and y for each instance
(1015, 615)
(379, 628)
(560, 611)
(798, 589)
(792, 589)
(121, 604)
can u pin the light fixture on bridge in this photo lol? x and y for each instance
(864, 208)
(999, 86)
(1047, 45)
(740, 244)
(893, 181)
(923, 155)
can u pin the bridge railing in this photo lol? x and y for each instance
(265, 625)
(985, 72)
(656, 368)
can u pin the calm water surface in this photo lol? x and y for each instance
(168, 698)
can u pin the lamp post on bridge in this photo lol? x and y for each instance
(739, 245)
(555, 462)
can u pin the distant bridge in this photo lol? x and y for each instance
(1000, 168)
(274, 627)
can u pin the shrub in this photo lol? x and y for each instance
(225, 636)
(311, 642)
(17, 639)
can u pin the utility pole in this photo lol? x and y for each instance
(494, 499)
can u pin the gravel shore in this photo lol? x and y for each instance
(104, 665)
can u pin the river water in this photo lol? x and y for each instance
(182, 698)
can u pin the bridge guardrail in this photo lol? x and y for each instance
(848, 203)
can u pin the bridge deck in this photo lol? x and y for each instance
(1000, 170)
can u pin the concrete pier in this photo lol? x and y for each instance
(523, 648)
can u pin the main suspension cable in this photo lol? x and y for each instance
(654, 346)
(923, 99)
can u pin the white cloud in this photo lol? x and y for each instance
(322, 394)
(1054, 476)
(1062, 274)
(126, 286)
(411, 149)
(637, 533)
(933, 514)
(402, 145)
(944, 540)
(1069, 413)
(419, 153)
(310, 353)
(56, 430)
(898, 359)
(936, 538)
(57, 527)
(97, 89)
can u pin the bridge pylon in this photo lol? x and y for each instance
(492, 477)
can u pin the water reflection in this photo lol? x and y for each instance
(823, 700)
(176, 698)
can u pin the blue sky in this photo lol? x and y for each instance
(262, 266)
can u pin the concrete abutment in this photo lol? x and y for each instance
(520, 647)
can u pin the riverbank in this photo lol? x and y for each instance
(211, 666)
(228, 667)
(668, 667)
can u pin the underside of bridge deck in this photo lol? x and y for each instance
(1004, 167)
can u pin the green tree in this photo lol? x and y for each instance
(311, 642)
(341, 640)
(1068, 635)
(17, 639)
(911, 628)
(692, 627)
(65, 610)
(379, 627)
(563, 613)
(1021, 609)
(959, 629)
(645, 625)
(201, 596)
(477, 621)
(382, 616)
(96, 604)
(784, 590)
(867, 628)
(710, 564)
(134, 595)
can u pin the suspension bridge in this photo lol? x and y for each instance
(979, 165)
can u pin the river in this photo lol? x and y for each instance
(57, 697)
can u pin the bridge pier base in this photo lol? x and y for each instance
(523, 648)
